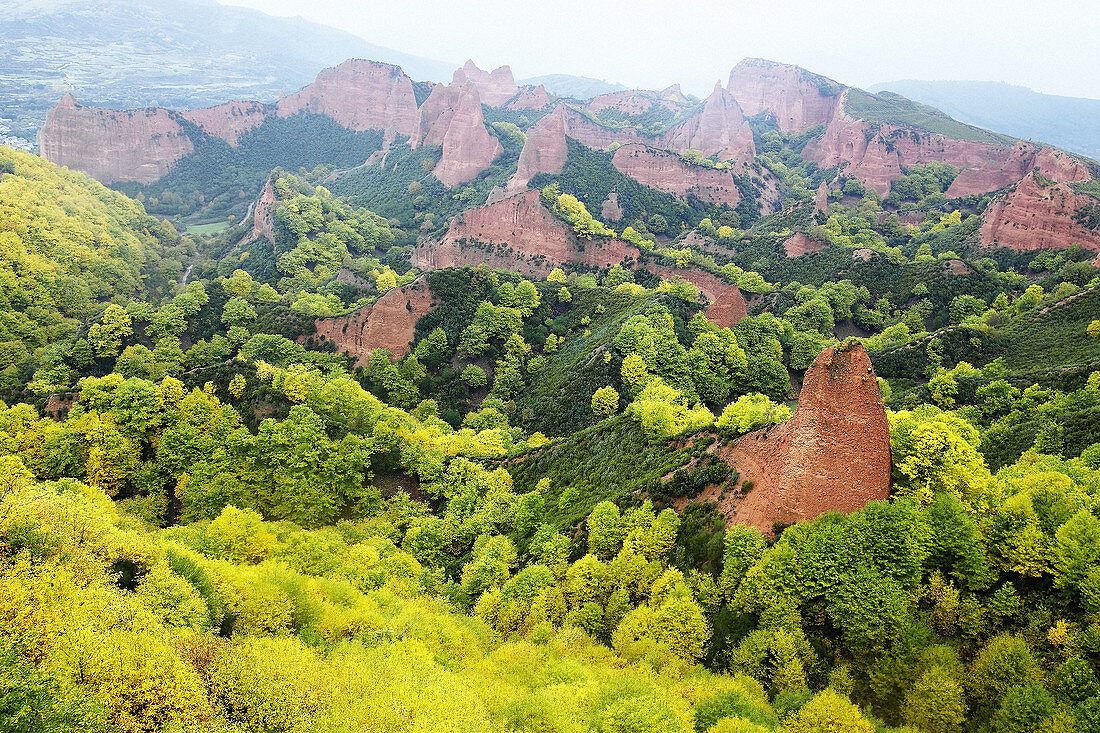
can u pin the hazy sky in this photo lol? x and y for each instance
(1050, 47)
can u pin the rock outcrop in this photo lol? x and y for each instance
(531, 98)
(451, 117)
(390, 323)
(496, 87)
(796, 98)
(802, 244)
(668, 172)
(727, 304)
(360, 95)
(229, 121)
(516, 234)
(113, 145)
(1034, 216)
(718, 128)
(546, 148)
(263, 221)
(638, 101)
(832, 455)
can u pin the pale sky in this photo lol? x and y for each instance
(1050, 47)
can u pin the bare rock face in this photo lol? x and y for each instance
(229, 121)
(876, 154)
(1061, 167)
(1034, 216)
(516, 234)
(667, 172)
(639, 101)
(451, 117)
(821, 198)
(832, 455)
(546, 149)
(113, 145)
(495, 87)
(531, 98)
(263, 220)
(727, 304)
(360, 95)
(801, 244)
(390, 323)
(796, 98)
(718, 129)
(610, 209)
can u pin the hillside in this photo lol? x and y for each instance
(186, 54)
(1067, 122)
(578, 87)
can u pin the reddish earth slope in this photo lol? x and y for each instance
(718, 129)
(389, 323)
(517, 234)
(229, 121)
(667, 172)
(1034, 216)
(832, 455)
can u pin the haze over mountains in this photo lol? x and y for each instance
(1072, 123)
(181, 54)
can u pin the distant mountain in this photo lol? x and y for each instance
(180, 54)
(1072, 123)
(578, 87)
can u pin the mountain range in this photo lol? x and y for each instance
(1068, 122)
(181, 54)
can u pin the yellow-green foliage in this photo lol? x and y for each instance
(67, 244)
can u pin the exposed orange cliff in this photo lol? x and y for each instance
(359, 95)
(495, 87)
(667, 172)
(113, 145)
(451, 117)
(229, 121)
(390, 323)
(796, 98)
(1034, 216)
(832, 455)
(718, 129)
(516, 234)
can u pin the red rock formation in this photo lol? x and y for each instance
(229, 121)
(516, 234)
(390, 323)
(113, 145)
(610, 209)
(876, 153)
(821, 198)
(546, 149)
(263, 222)
(832, 455)
(495, 87)
(667, 172)
(360, 95)
(638, 101)
(796, 98)
(718, 128)
(1033, 216)
(727, 304)
(451, 117)
(801, 244)
(531, 98)
(1060, 167)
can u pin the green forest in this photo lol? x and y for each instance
(213, 519)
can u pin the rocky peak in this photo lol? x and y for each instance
(531, 98)
(718, 128)
(832, 455)
(796, 98)
(451, 117)
(359, 95)
(496, 87)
